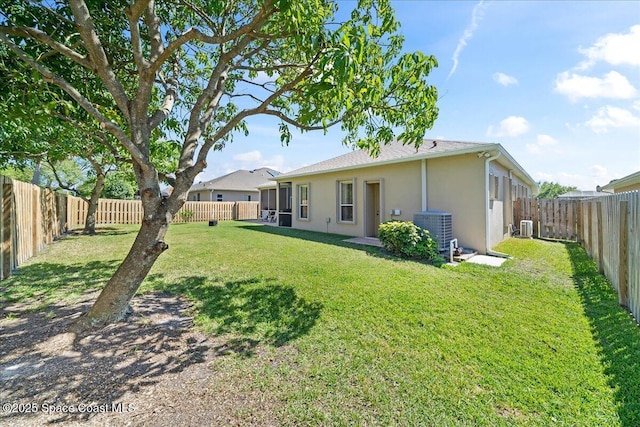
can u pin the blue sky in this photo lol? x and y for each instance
(557, 83)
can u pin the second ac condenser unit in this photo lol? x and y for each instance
(526, 228)
(438, 224)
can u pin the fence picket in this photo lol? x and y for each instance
(608, 230)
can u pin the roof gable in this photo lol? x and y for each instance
(240, 180)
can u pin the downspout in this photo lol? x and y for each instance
(423, 169)
(487, 223)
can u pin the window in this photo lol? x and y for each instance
(198, 197)
(247, 198)
(303, 201)
(346, 201)
(219, 197)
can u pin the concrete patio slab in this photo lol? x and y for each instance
(493, 261)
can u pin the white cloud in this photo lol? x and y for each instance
(593, 176)
(544, 145)
(254, 160)
(476, 16)
(615, 49)
(511, 126)
(612, 117)
(546, 140)
(612, 85)
(505, 79)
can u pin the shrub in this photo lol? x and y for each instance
(186, 215)
(405, 239)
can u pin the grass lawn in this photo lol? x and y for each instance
(348, 336)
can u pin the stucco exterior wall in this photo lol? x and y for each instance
(505, 188)
(399, 186)
(630, 187)
(456, 184)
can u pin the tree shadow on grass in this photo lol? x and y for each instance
(255, 310)
(614, 329)
(153, 359)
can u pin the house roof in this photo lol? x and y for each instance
(626, 181)
(240, 180)
(396, 152)
(581, 194)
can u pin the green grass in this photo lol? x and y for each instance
(341, 334)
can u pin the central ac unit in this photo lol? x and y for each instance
(438, 224)
(526, 228)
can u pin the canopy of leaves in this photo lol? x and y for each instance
(195, 71)
(551, 190)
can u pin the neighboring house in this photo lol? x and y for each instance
(581, 195)
(352, 194)
(627, 183)
(238, 186)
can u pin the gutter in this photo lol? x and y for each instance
(487, 226)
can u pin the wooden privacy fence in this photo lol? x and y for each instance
(130, 211)
(607, 227)
(30, 218)
(611, 237)
(552, 219)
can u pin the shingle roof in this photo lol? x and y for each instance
(393, 152)
(240, 180)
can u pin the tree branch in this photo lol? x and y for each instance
(45, 39)
(195, 34)
(63, 185)
(98, 56)
(105, 123)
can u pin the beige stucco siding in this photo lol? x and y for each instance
(630, 187)
(456, 184)
(399, 189)
(505, 188)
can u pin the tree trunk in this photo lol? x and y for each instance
(36, 175)
(90, 220)
(113, 302)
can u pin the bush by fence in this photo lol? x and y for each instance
(32, 217)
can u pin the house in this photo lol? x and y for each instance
(241, 185)
(581, 195)
(352, 194)
(627, 183)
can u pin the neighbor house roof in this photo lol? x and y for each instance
(396, 152)
(633, 179)
(579, 195)
(240, 180)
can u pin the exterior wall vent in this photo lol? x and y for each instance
(438, 223)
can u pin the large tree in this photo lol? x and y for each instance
(201, 68)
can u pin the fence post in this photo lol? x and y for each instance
(623, 279)
(7, 229)
(579, 225)
(600, 237)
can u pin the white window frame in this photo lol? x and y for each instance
(303, 203)
(341, 205)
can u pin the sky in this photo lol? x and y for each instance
(557, 83)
